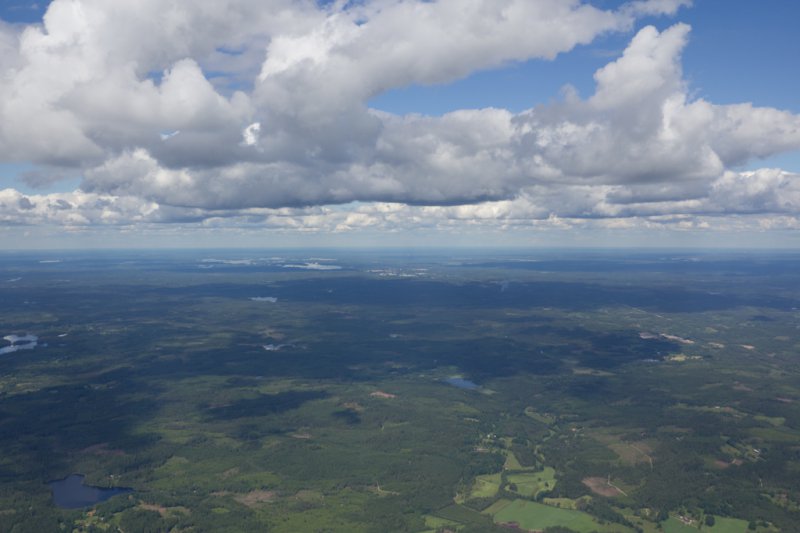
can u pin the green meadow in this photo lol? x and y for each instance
(535, 516)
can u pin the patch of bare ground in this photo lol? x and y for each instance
(740, 387)
(381, 394)
(153, 507)
(748, 346)
(163, 511)
(717, 345)
(632, 453)
(230, 473)
(722, 465)
(376, 489)
(256, 497)
(301, 435)
(353, 406)
(600, 486)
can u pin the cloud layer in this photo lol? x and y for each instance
(257, 111)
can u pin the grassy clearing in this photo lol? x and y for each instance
(727, 525)
(645, 525)
(512, 463)
(435, 522)
(781, 434)
(774, 421)
(535, 516)
(673, 525)
(531, 484)
(564, 503)
(602, 487)
(629, 453)
(539, 417)
(722, 525)
(485, 486)
(460, 514)
(337, 513)
(497, 506)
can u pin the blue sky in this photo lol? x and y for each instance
(22, 11)
(740, 51)
(399, 121)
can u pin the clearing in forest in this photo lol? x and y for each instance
(534, 516)
(601, 486)
(530, 484)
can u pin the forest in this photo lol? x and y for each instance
(405, 390)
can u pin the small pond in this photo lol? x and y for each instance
(71, 493)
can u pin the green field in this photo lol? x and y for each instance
(673, 525)
(434, 522)
(530, 484)
(539, 417)
(721, 525)
(727, 525)
(485, 486)
(565, 503)
(461, 515)
(535, 516)
(512, 463)
(497, 506)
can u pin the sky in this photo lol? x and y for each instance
(529, 123)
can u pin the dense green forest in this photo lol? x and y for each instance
(353, 391)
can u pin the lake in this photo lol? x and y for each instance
(71, 493)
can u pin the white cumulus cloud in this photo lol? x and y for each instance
(251, 133)
(270, 100)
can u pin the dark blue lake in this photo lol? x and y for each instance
(462, 383)
(71, 493)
